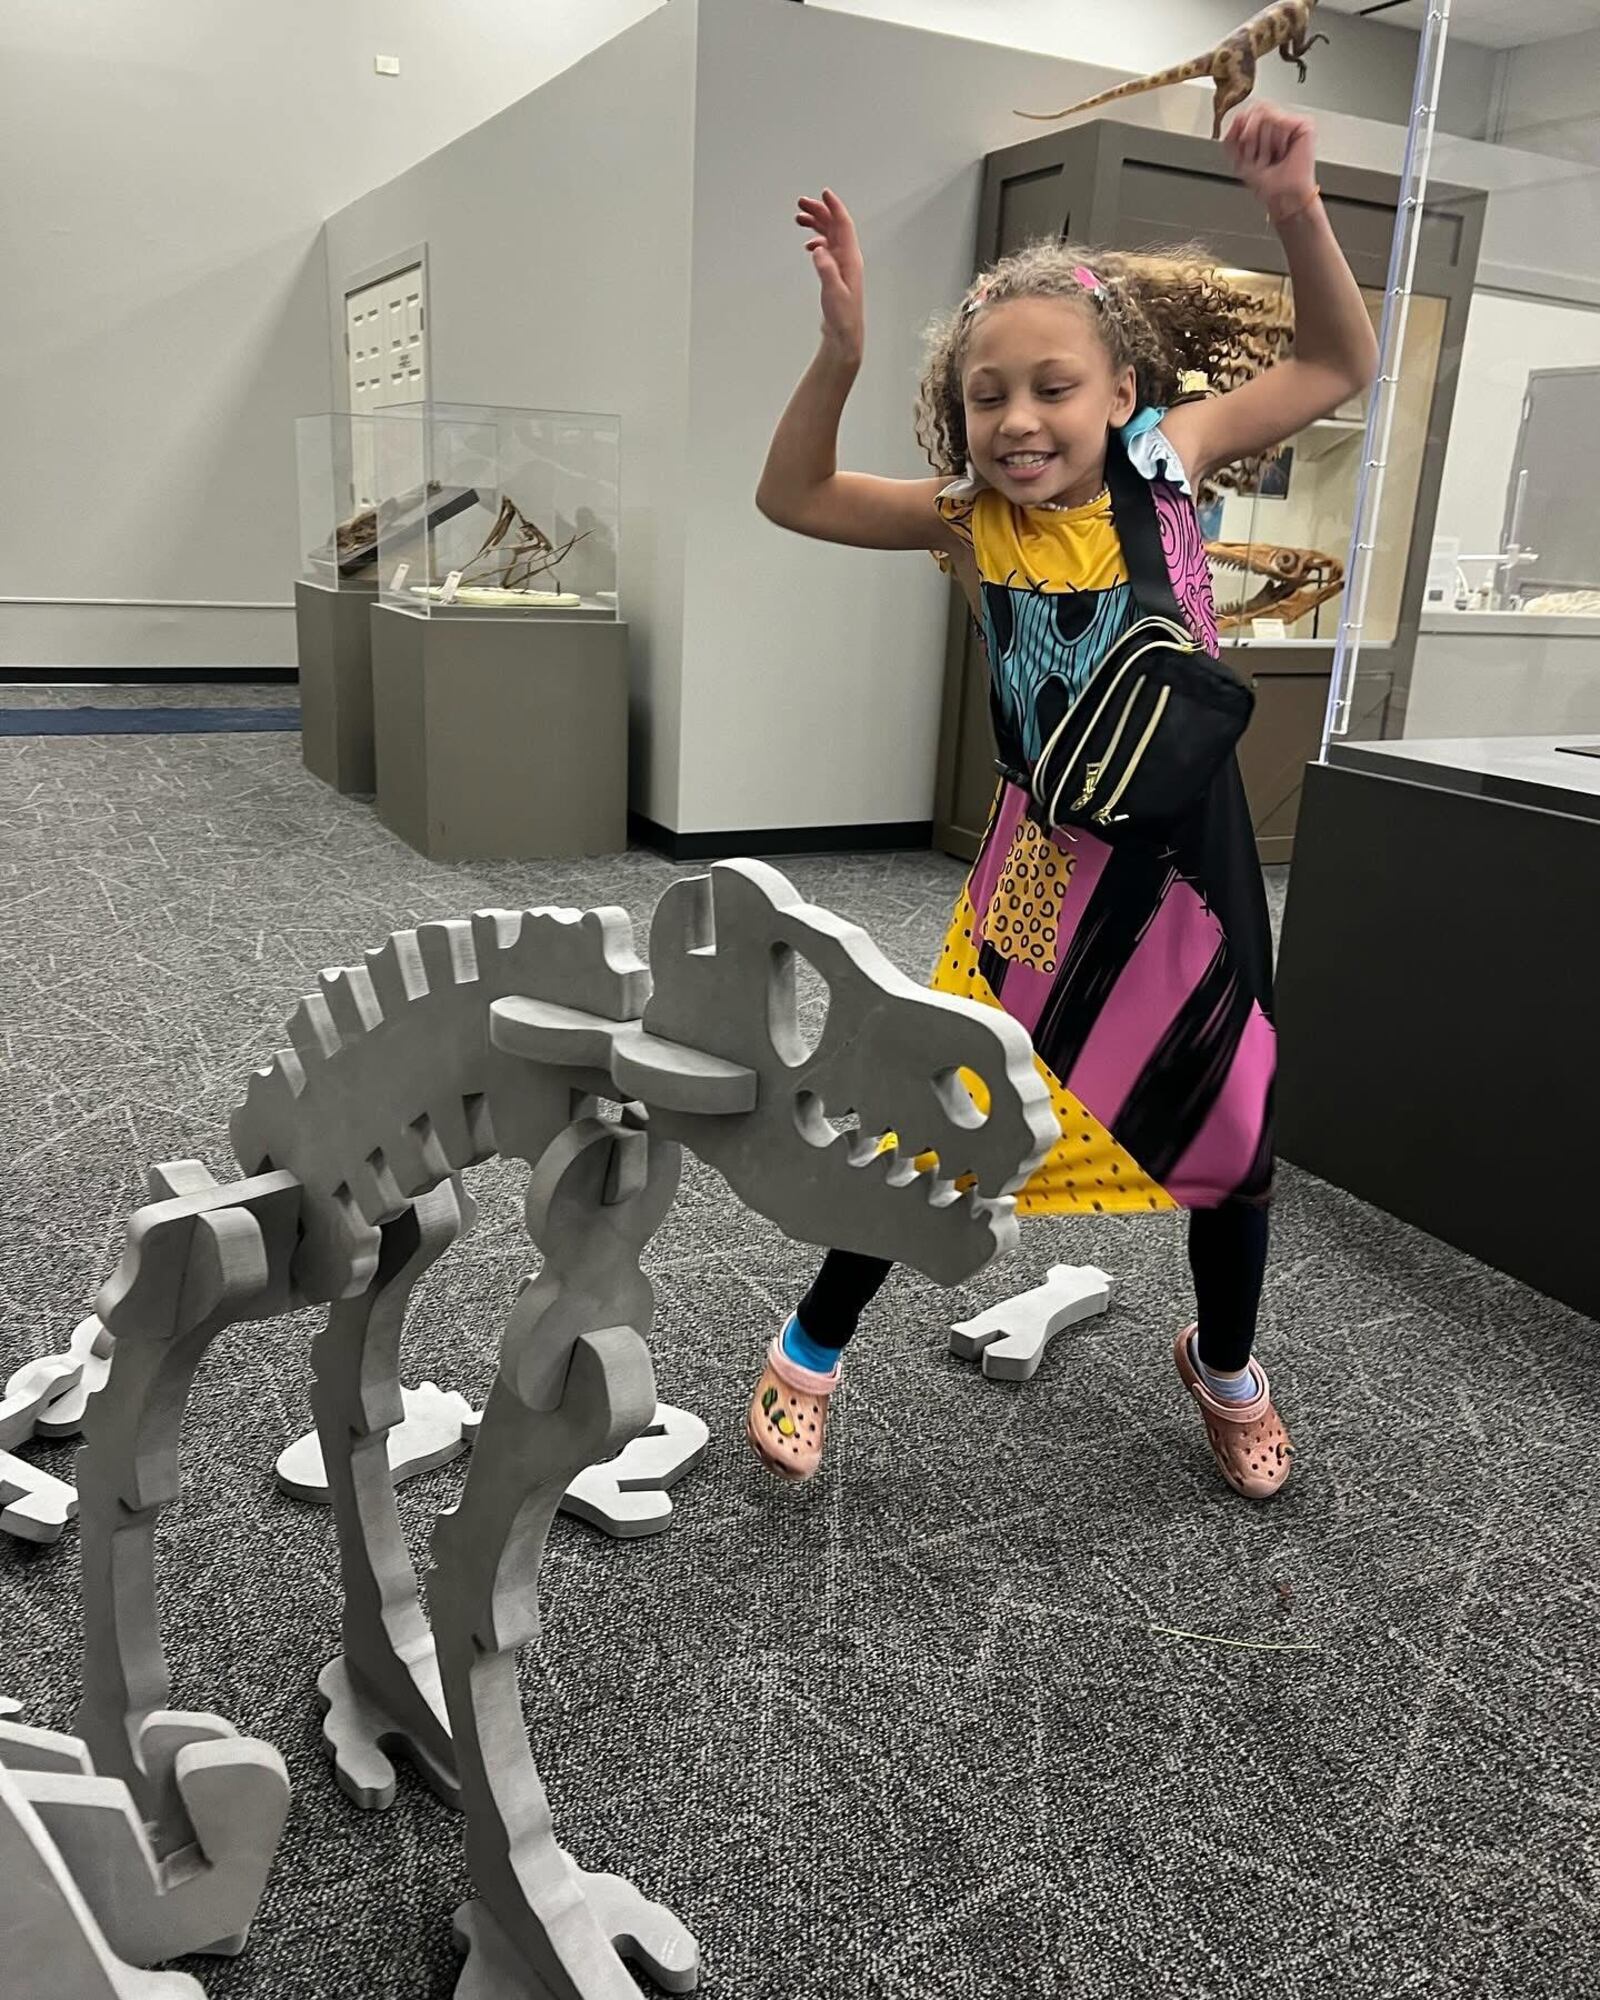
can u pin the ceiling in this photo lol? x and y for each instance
(1495, 24)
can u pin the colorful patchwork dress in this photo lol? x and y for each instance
(1143, 973)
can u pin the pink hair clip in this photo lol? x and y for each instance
(979, 297)
(1090, 283)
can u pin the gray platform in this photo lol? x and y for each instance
(501, 738)
(1523, 770)
(334, 645)
(1436, 997)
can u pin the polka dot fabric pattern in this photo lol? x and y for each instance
(1086, 1172)
(1025, 909)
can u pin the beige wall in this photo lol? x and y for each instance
(166, 166)
(1365, 65)
(558, 247)
(1550, 98)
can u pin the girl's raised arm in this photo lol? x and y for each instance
(801, 486)
(1335, 349)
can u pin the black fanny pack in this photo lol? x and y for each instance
(1158, 717)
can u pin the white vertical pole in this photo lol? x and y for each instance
(1391, 345)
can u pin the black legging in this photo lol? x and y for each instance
(1227, 1254)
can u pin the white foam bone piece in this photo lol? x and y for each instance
(35, 1506)
(436, 1428)
(89, 1351)
(30, 1390)
(627, 1496)
(1011, 1337)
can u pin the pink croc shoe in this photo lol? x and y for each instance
(789, 1413)
(1248, 1440)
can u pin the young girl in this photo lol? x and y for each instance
(1142, 972)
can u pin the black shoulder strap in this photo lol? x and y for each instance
(1133, 513)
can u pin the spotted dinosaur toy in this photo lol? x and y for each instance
(1231, 65)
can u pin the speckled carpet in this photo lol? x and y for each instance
(1017, 1699)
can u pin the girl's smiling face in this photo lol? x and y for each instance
(1040, 395)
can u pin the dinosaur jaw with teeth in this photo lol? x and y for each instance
(1294, 581)
(879, 1155)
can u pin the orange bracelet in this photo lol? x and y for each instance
(1310, 201)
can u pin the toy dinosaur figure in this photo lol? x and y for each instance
(1297, 581)
(1231, 65)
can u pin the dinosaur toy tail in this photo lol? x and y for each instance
(1185, 73)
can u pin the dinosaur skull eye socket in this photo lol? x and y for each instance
(815, 1124)
(798, 998)
(963, 1103)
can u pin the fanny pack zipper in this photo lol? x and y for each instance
(1094, 771)
(1103, 816)
(1161, 631)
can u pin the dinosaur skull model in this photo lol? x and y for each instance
(1295, 581)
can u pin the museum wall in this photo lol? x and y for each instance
(557, 237)
(167, 166)
(1547, 98)
(1365, 64)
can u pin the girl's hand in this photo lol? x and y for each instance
(1274, 154)
(836, 258)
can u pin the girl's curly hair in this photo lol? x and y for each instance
(1166, 314)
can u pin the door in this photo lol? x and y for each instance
(385, 337)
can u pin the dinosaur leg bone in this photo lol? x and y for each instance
(574, 1385)
(235, 1792)
(388, 1669)
(193, 1265)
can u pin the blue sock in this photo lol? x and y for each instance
(1226, 1388)
(806, 1352)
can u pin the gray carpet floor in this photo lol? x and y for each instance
(988, 1710)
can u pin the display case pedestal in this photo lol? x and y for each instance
(1436, 994)
(333, 637)
(501, 738)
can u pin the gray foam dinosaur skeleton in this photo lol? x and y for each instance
(455, 1042)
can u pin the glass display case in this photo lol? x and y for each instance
(338, 546)
(487, 511)
(1278, 529)
(1508, 629)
